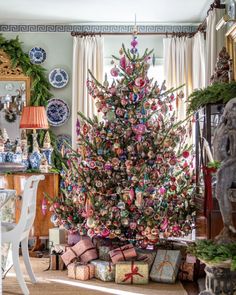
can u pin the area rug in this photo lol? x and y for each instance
(57, 283)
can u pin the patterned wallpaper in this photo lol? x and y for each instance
(99, 28)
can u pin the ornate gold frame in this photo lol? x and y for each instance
(8, 73)
(231, 46)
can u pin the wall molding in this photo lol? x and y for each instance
(99, 28)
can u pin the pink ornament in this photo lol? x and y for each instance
(133, 225)
(139, 129)
(105, 233)
(112, 90)
(56, 205)
(129, 70)
(162, 190)
(132, 194)
(123, 62)
(115, 71)
(176, 228)
(140, 82)
(134, 43)
(164, 224)
(44, 206)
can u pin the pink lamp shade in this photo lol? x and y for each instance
(34, 118)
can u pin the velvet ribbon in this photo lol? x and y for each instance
(134, 272)
(208, 203)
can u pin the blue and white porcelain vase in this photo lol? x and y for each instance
(9, 157)
(3, 157)
(17, 158)
(35, 160)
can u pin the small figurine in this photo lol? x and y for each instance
(47, 148)
(23, 139)
(5, 135)
(2, 147)
(44, 166)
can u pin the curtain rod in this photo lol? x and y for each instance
(215, 5)
(179, 34)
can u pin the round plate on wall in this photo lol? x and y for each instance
(37, 55)
(58, 112)
(58, 78)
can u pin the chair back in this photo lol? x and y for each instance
(28, 209)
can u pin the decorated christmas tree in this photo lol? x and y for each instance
(132, 177)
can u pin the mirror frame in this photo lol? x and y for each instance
(8, 73)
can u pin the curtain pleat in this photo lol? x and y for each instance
(87, 55)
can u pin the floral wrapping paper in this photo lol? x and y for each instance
(103, 253)
(147, 256)
(132, 272)
(104, 270)
(166, 265)
(81, 272)
(123, 253)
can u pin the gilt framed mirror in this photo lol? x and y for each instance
(231, 46)
(14, 94)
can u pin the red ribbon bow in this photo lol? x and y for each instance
(134, 272)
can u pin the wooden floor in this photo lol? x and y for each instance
(57, 282)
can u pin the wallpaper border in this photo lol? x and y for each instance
(99, 28)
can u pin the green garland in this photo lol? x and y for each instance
(216, 93)
(40, 87)
(211, 252)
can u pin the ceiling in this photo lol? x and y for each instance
(102, 11)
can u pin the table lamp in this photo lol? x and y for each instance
(34, 118)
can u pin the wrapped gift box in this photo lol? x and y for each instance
(85, 250)
(56, 261)
(57, 236)
(104, 270)
(69, 256)
(187, 272)
(166, 265)
(189, 269)
(123, 253)
(82, 272)
(60, 248)
(103, 253)
(147, 256)
(131, 272)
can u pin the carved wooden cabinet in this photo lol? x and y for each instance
(49, 185)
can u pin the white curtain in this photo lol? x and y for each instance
(199, 61)
(178, 68)
(87, 55)
(215, 40)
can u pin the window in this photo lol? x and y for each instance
(155, 72)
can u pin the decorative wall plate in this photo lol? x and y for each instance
(58, 78)
(37, 55)
(58, 112)
(62, 139)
